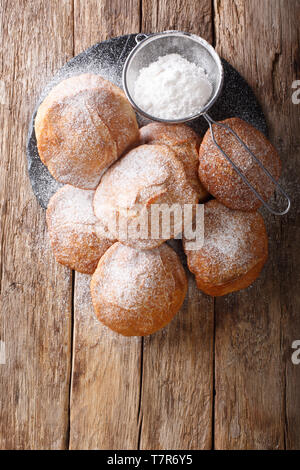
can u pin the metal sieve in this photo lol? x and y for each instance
(196, 50)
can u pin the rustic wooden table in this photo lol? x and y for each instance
(220, 376)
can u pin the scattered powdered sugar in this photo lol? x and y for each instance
(172, 88)
(229, 236)
(72, 205)
(220, 178)
(107, 59)
(88, 328)
(136, 291)
(137, 279)
(73, 229)
(234, 242)
(82, 126)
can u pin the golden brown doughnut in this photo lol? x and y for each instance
(220, 178)
(148, 174)
(185, 143)
(72, 229)
(137, 292)
(82, 126)
(234, 251)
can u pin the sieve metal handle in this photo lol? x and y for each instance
(211, 122)
(140, 37)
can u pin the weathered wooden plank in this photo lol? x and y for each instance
(257, 401)
(193, 16)
(257, 405)
(106, 366)
(177, 385)
(99, 20)
(105, 381)
(35, 291)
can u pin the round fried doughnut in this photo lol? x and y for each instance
(82, 126)
(148, 174)
(185, 143)
(72, 229)
(220, 178)
(137, 292)
(234, 251)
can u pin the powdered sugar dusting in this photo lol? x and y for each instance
(131, 275)
(228, 238)
(136, 291)
(107, 59)
(82, 126)
(234, 242)
(72, 205)
(88, 328)
(72, 227)
(220, 178)
(146, 175)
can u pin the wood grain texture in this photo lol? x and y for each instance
(105, 381)
(177, 385)
(185, 15)
(257, 404)
(35, 291)
(97, 20)
(106, 367)
(157, 393)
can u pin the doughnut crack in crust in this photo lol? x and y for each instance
(72, 227)
(137, 292)
(184, 142)
(82, 127)
(219, 177)
(234, 251)
(147, 175)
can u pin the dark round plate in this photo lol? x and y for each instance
(107, 59)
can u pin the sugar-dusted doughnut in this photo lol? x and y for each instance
(82, 126)
(220, 178)
(72, 227)
(147, 175)
(234, 251)
(137, 292)
(185, 143)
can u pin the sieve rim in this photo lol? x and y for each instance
(153, 37)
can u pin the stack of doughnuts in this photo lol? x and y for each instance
(114, 174)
